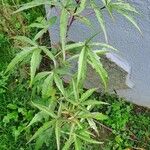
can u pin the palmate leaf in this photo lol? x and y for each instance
(63, 29)
(97, 65)
(20, 57)
(35, 62)
(47, 86)
(35, 3)
(100, 18)
(40, 131)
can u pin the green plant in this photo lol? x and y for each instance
(15, 112)
(67, 110)
(5, 51)
(127, 126)
(3, 82)
(120, 112)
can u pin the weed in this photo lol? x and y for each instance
(65, 114)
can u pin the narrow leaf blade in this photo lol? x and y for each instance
(19, 57)
(35, 62)
(63, 29)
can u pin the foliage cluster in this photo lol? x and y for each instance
(63, 116)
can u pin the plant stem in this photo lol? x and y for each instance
(73, 17)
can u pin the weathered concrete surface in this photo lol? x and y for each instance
(134, 48)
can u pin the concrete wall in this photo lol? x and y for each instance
(133, 47)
